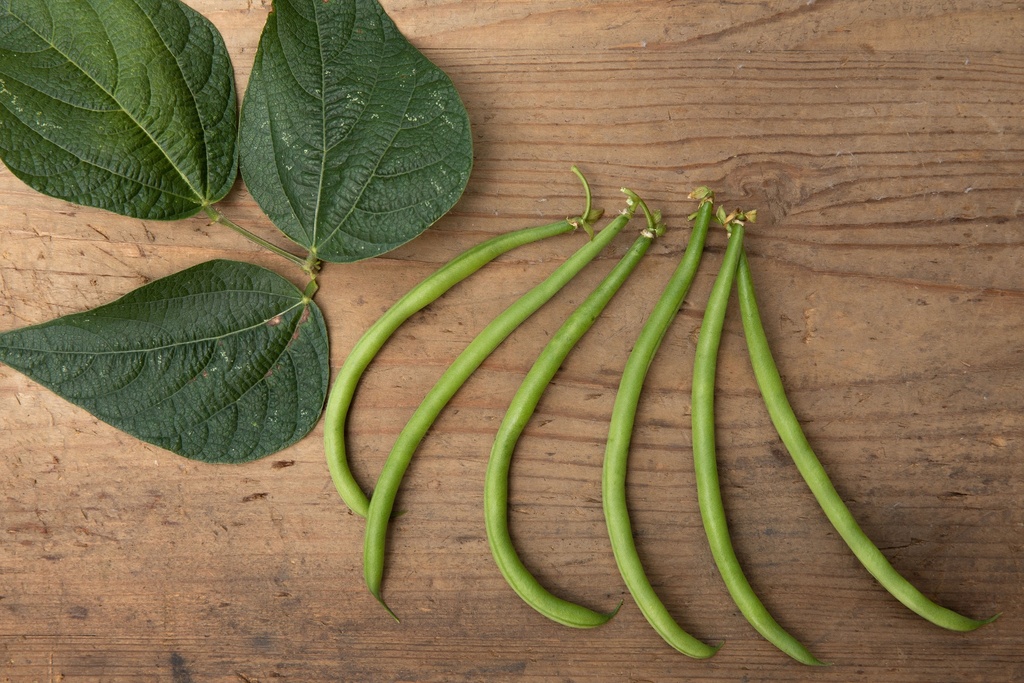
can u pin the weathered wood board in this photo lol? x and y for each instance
(883, 146)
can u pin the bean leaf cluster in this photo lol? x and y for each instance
(350, 140)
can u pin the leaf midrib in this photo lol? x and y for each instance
(373, 174)
(153, 349)
(323, 157)
(323, 127)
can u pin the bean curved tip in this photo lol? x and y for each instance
(606, 616)
(797, 651)
(978, 623)
(706, 652)
(808, 659)
(383, 604)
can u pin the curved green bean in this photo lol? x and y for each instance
(613, 474)
(458, 269)
(709, 495)
(383, 499)
(788, 427)
(521, 408)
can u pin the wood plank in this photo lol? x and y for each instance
(882, 145)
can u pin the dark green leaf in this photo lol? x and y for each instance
(222, 362)
(127, 105)
(352, 141)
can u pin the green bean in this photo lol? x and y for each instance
(427, 291)
(521, 408)
(709, 495)
(810, 468)
(613, 478)
(383, 499)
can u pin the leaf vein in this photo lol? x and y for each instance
(109, 94)
(205, 156)
(152, 349)
(372, 174)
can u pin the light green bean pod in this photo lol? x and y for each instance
(613, 475)
(521, 408)
(709, 494)
(788, 427)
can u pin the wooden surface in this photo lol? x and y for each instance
(883, 146)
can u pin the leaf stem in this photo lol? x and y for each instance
(217, 217)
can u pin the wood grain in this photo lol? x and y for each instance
(883, 146)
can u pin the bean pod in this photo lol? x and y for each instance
(613, 475)
(521, 408)
(709, 495)
(788, 427)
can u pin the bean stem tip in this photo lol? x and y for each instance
(590, 214)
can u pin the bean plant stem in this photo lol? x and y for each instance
(709, 495)
(521, 408)
(788, 427)
(383, 498)
(217, 217)
(613, 479)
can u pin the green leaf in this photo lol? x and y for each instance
(351, 141)
(126, 105)
(222, 362)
